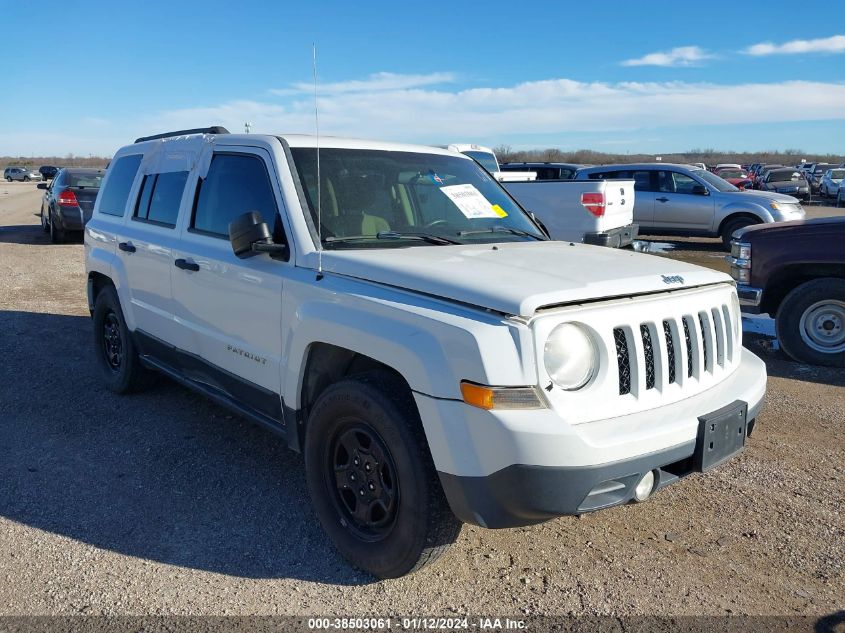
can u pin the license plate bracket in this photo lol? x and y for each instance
(721, 434)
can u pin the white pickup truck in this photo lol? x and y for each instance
(394, 315)
(600, 213)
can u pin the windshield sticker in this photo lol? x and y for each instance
(470, 201)
(500, 211)
(437, 180)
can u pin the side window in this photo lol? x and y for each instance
(114, 195)
(642, 180)
(235, 184)
(160, 196)
(674, 182)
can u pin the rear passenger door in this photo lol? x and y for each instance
(230, 309)
(147, 240)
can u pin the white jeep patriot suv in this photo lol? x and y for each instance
(395, 315)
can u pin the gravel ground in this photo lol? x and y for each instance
(162, 503)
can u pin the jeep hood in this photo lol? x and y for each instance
(519, 278)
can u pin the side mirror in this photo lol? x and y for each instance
(41, 185)
(700, 190)
(250, 235)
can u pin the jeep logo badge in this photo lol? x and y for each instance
(672, 279)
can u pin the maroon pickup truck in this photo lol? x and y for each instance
(795, 272)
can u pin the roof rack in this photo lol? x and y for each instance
(214, 129)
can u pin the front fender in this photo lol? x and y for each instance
(744, 208)
(432, 344)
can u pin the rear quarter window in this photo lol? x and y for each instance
(114, 195)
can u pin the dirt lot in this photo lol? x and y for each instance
(162, 503)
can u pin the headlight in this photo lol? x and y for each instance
(774, 205)
(570, 356)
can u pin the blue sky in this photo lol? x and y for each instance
(613, 76)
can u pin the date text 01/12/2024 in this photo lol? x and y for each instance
(416, 623)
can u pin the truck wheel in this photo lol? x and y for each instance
(371, 477)
(116, 353)
(810, 322)
(734, 225)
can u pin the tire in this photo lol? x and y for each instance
(810, 322)
(406, 522)
(117, 356)
(9, 178)
(44, 225)
(734, 225)
(57, 234)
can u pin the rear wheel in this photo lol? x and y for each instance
(810, 322)
(116, 354)
(44, 226)
(371, 477)
(734, 225)
(57, 233)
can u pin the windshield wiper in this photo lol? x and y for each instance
(501, 229)
(431, 238)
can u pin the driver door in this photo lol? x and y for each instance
(677, 207)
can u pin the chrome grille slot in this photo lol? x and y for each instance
(648, 352)
(706, 341)
(670, 350)
(720, 336)
(688, 339)
(623, 360)
(729, 332)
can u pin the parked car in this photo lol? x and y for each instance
(544, 171)
(68, 201)
(788, 181)
(48, 172)
(685, 200)
(840, 195)
(739, 178)
(20, 173)
(413, 333)
(486, 157)
(815, 177)
(727, 166)
(795, 272)
(592, 212)
(830, 183)
(762, 172)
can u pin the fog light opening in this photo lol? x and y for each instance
(645, 486)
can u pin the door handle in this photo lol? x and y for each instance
(127, 246)
(184, 264)
(662, 199)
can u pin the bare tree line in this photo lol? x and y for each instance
(506, 153)
(69, 160)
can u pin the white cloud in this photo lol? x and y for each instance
(551, 108)
(681, 56)
(377, 82)
(834, 44)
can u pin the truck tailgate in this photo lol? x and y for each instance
(559, 204)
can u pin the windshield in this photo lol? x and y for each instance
(383, 199)
(732, 173)
(487, 160)
(713, 180)
(782, 175)
(837, 174)
(83, 180)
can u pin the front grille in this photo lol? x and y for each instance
(648, 351)
(670, 350)
(708, 337)
(623, 360)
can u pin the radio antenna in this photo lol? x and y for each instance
(317, 144)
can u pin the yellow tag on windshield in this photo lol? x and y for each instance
(499, 211)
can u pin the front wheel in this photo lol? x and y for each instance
(810, 322)
(371, 477)
(731, 226)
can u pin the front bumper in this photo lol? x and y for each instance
(510, 468)
(614, 238)
(749, 298)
